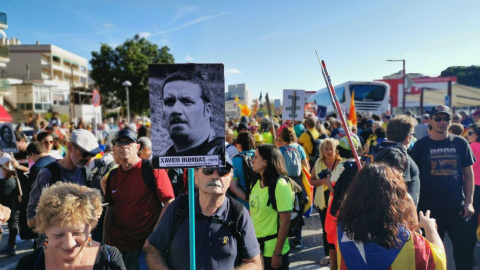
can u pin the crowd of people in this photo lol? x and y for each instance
(94, 199)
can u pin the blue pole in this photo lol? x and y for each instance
(191, 217)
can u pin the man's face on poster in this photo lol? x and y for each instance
(185, 113)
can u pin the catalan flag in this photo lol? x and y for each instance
(307, 212)
(414, 252)
(352, 114)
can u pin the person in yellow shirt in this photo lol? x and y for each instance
(307, 138)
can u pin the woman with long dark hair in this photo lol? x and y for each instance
(374, 225)
(271, 226)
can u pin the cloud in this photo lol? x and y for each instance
(188, 58)
(184, 11)
(190, 23)
(144, 34)
(233, 71)
(108, 26)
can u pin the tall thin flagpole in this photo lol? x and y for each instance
(191, 217)
(333, 95)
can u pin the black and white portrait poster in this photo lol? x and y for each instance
(8, 143)
(187, 105)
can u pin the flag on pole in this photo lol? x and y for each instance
(352, 115)
(307, 211)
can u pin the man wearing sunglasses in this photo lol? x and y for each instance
(81, 148)
(134, 208)
(217, 244)
(446, 184)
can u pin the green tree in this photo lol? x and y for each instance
(465, 75)
(127, 62)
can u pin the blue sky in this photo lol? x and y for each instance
(269, 45)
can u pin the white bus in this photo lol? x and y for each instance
(370, 96)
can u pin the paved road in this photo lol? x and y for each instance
(306, 258)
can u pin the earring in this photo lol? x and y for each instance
(45, 243)
(90, 241)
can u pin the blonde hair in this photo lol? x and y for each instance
(333, 143)
(65, 204)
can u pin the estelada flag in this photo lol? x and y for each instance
(352, 115)
(414, 252)
(307, 211)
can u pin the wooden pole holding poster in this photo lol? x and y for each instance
(18, 180)
(271, 118)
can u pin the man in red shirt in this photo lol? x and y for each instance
(134, 208)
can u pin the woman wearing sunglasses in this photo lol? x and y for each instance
(473, 138)
(47, 140)
(271, 225)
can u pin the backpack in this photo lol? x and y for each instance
(293, 162)
(315, 151)
(99, 170)
(249, 175)
(176, 176)
(147, 175)
(296, 222)
(181, 212)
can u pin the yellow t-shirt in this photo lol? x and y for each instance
(265, 218)
(306, 142)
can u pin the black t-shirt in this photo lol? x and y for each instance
(441, 166)
(107, 258)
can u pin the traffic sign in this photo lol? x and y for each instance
(96, 98)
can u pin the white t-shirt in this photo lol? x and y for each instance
(4, 159)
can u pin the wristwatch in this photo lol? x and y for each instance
(278, 254)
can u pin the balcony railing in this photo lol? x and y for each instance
(4, 85)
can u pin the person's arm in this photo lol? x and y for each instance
(315, 181)
(103, 182)
(17, 166)
(107, 222)
(155, 259)
(252, 263)
(468, 186)
(285, 218)
(43, 178)
(237, 190)
(429, 225)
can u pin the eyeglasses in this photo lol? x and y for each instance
(439, 119)
(47, 142)
(123, 143)
(221, 171)
(84, 154)
(470, 133)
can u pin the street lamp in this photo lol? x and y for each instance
(403, 77)
(127, 84)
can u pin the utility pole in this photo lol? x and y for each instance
(72, 98)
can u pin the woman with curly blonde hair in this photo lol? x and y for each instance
(66, 214)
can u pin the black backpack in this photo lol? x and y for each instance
(181, 212)
(315, 151)
(250, 176)
(99, 170)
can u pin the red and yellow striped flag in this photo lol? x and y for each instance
(352, 115)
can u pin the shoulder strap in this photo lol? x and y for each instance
(313, 142)
(271, 195)
(147, 175)
(180, 212)
(87, 173)
(109, 180)
(55, 171)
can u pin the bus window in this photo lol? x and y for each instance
(340, 91)
(368, 92)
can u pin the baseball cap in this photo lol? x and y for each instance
(440, 109)
(228, 160)
(426, 116)
(124, 133)
(242, 126)
(85, 140)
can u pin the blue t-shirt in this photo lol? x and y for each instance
(215, 246)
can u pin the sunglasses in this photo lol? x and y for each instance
(470, 133)
(123, 143)
(84, 154)
(47, 142)
(439, 119)
(221, 171)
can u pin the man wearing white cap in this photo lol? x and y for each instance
(81, 148)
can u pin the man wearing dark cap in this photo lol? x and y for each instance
(224, 233)
(446, 184)
(135, 193)
(187, 112)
